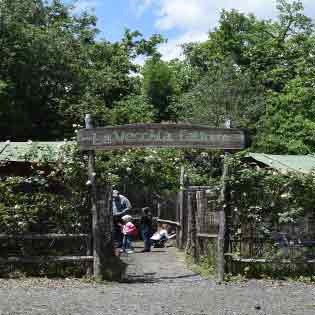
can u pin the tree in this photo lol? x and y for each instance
(160, 87)
(261, 73)
(222, 93)
(289, 124)
(53, 70)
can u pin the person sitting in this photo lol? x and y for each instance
(159, 238)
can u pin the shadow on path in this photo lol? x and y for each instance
(153, 278)
(157, 266)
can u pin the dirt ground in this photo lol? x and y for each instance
(155, 283)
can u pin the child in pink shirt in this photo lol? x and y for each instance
(129, 231)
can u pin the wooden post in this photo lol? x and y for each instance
(89, 251)
(180, 219)
(201, 217)
(191, 247)
(189, 206)
(222, 216)
(159, 209)
(92, 182)
(105, 222)
(194, 250)
(202, 212)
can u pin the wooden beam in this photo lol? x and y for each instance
(206, 235)
(168, 222)
(269, 261)
(196, 188)
(160, 136)
(42, 236)
(44, 259)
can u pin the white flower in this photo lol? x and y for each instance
(74, 125)
(124, 160)
(76, 131)
(128, 169)
(88, 183)
(93, 174)
(16, 207)
(20, 223)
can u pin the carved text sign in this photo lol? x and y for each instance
(160, 136)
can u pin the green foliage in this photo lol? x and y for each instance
(54, 198)
(260, 74)
(53, 69)
(266, 199)
(222, 93)
(289, 124)
(160, 87)
(158, 170)
(132, 109)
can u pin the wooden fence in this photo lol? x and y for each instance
(202, 223)
(199, 221)
(45, 259)
(97, 245)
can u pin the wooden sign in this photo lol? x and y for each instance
(160, 136)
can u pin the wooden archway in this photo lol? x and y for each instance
(150, 136)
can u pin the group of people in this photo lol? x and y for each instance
(125, 230)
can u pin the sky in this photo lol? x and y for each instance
(179, 21)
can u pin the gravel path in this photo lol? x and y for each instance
(155, 283)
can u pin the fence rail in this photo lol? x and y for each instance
(206, 235)
(47, 259)
(42, 236)
(44, 259)
(169, 222)
(268, 261)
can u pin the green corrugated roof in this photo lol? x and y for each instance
(287, 163)
(30, 151)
